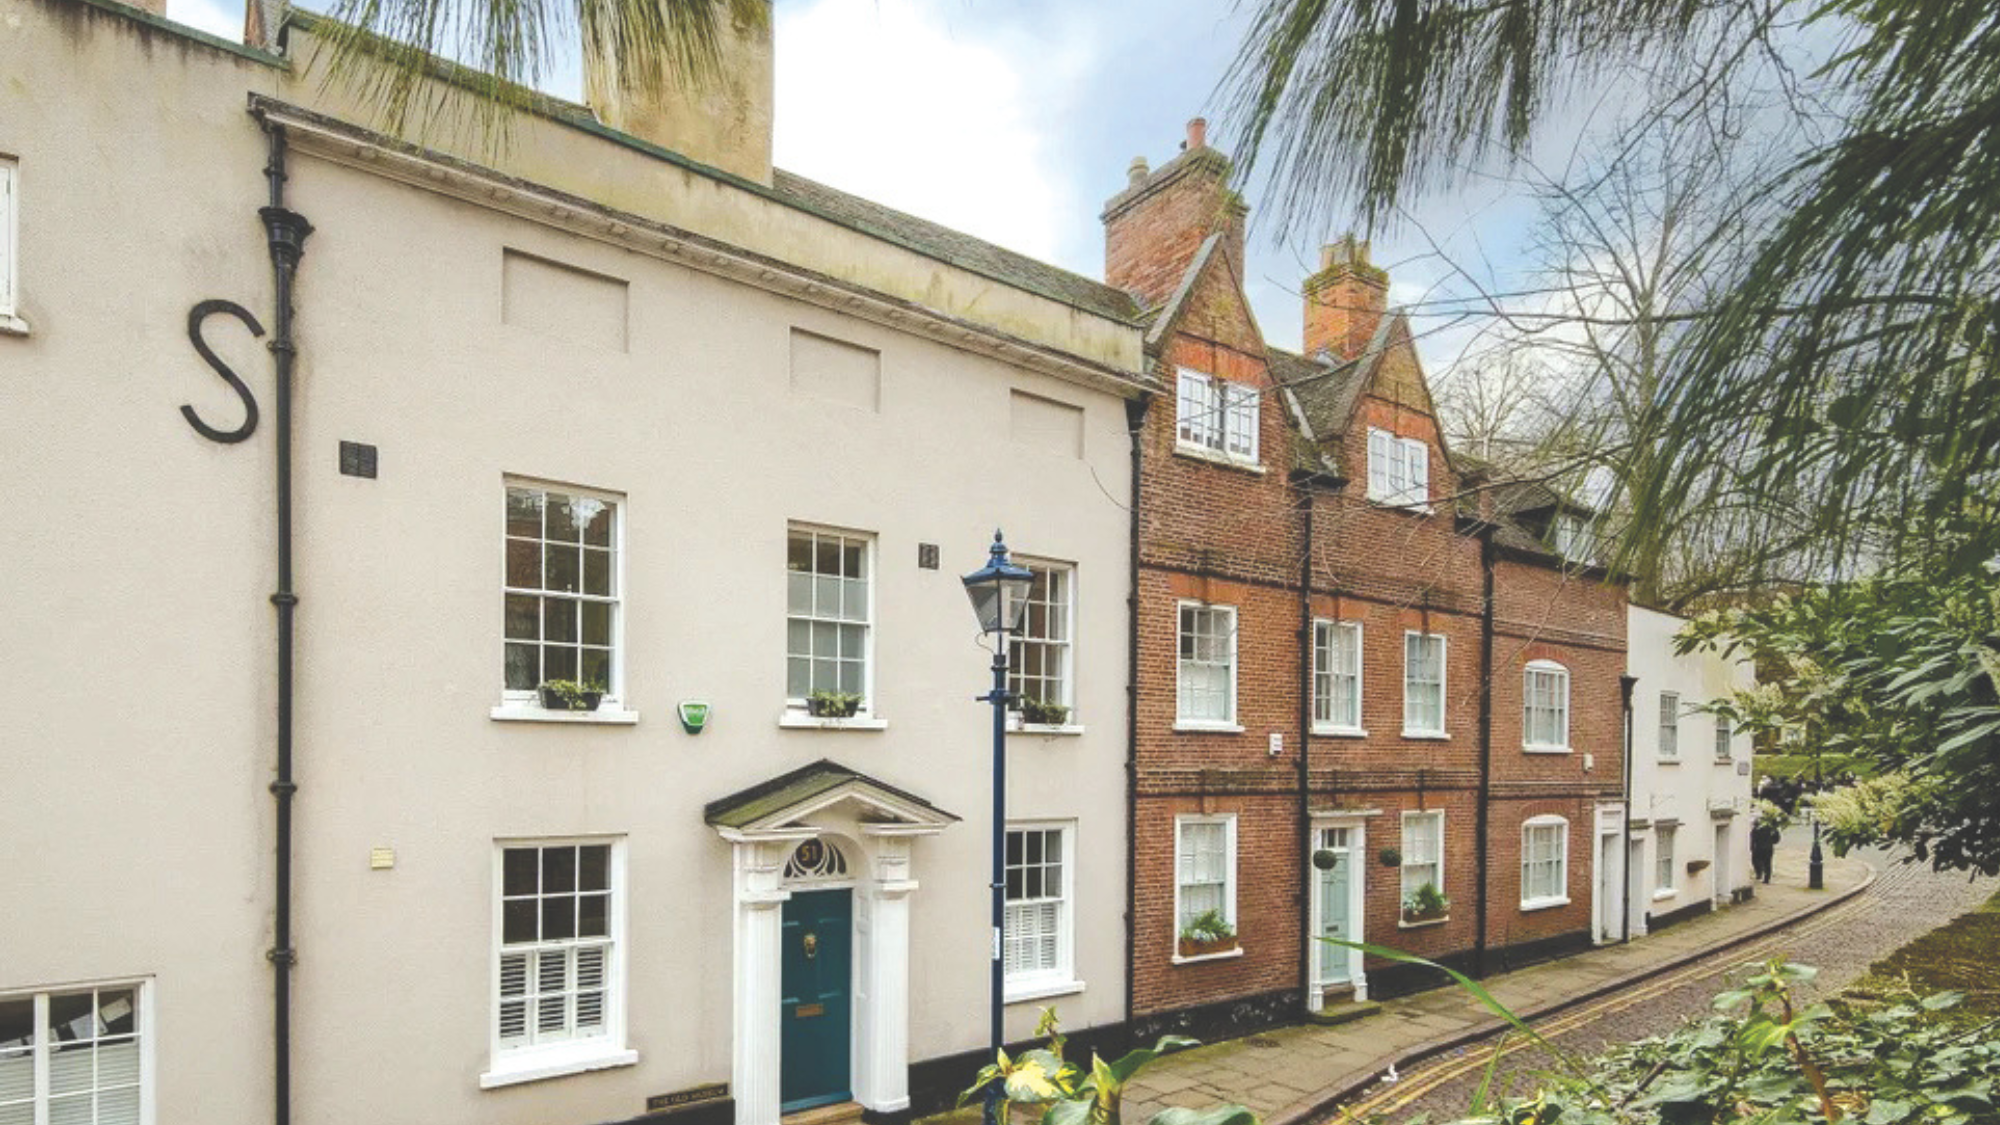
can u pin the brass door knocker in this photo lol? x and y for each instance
(811, 944)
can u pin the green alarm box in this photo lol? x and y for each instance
(694, 716)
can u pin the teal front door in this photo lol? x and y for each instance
(817, 984)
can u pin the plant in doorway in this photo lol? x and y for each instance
(1074, 1096)
(1426, 904)
(1207, 932)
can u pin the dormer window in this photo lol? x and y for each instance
(1399, 470)
(1217, 418)
(1575, 538)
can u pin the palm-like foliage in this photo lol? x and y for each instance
(388, 51)
(1855, 348)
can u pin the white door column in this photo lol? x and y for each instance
(882, 1026)
(757, 932)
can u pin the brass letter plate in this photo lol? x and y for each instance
(807, 1011)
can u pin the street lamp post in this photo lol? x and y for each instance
(1816, 862)
(999, 593)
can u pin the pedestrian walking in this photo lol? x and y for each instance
(1763, 843)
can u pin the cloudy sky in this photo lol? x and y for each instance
(1016, 119)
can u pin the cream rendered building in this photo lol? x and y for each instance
(1688, 850)
(584, 407)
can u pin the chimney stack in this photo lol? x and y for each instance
(1154, 227)
(723, 121)
(1345, 300)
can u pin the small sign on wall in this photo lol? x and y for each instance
(713, 1091)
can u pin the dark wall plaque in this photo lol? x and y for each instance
(711, 1092)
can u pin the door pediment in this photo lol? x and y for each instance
(783, 807)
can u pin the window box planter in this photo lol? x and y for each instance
(832, 705)
(1041, 713)
(1205, 947)
(563, 696)
(1414, 916)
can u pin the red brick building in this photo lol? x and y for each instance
(1367, 702)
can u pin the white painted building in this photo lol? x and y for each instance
(1689, 840)
(584, 408)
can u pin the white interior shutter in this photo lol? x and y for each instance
(1380, 451)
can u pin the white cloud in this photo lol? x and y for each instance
(881, 98)
(217, 17)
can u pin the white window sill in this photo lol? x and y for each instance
(799, 720)
(1032, 990)
(1202, 453)
(553, 1065)
(1046, 728)
(609, 715)
(1399, 506)
(1338, 732)
(11, 325)
(1222, 956)
(1199, 726)
(1544, 903)
(1428, 735)
(1546, 750)
(1425, 924)
(1725, 761)
(1666, 893)
(1670, 761)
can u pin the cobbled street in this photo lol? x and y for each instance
(1905, 902)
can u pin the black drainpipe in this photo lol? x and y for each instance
(1626, 683)
(286, 233)
(1305, 682)
(1135, 420)
(1484, 814)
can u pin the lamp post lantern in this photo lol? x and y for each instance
(999, 593)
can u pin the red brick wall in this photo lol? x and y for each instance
(1228, 535)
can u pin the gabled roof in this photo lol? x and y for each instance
(956, 247)
(774, 803)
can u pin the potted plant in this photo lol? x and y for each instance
(1426, 904)
(1325, 859)
(1390, 857)
(1206, 933)
(568, 695)
(832, 704)
(1042, 712)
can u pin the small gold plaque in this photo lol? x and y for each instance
(807, 1011)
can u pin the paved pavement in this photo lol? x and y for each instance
(1290, 1075)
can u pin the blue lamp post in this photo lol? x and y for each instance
(999, 593)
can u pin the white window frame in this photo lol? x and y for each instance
(1182, 721)
(1434, 817)
(10, 246)
(1528, 674)
(1575, 537)
(1444, 670)
(1394, 479)
(508, 1065)
(797, 705)
(1666, 878)
(143, 1035)
(1528, 828)
(1325, 721)
(1228, 823)
(1724, 732)
(1066, 647)
(1670, 726)
(1217, 418)
(1061, 978)
(518, 703)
